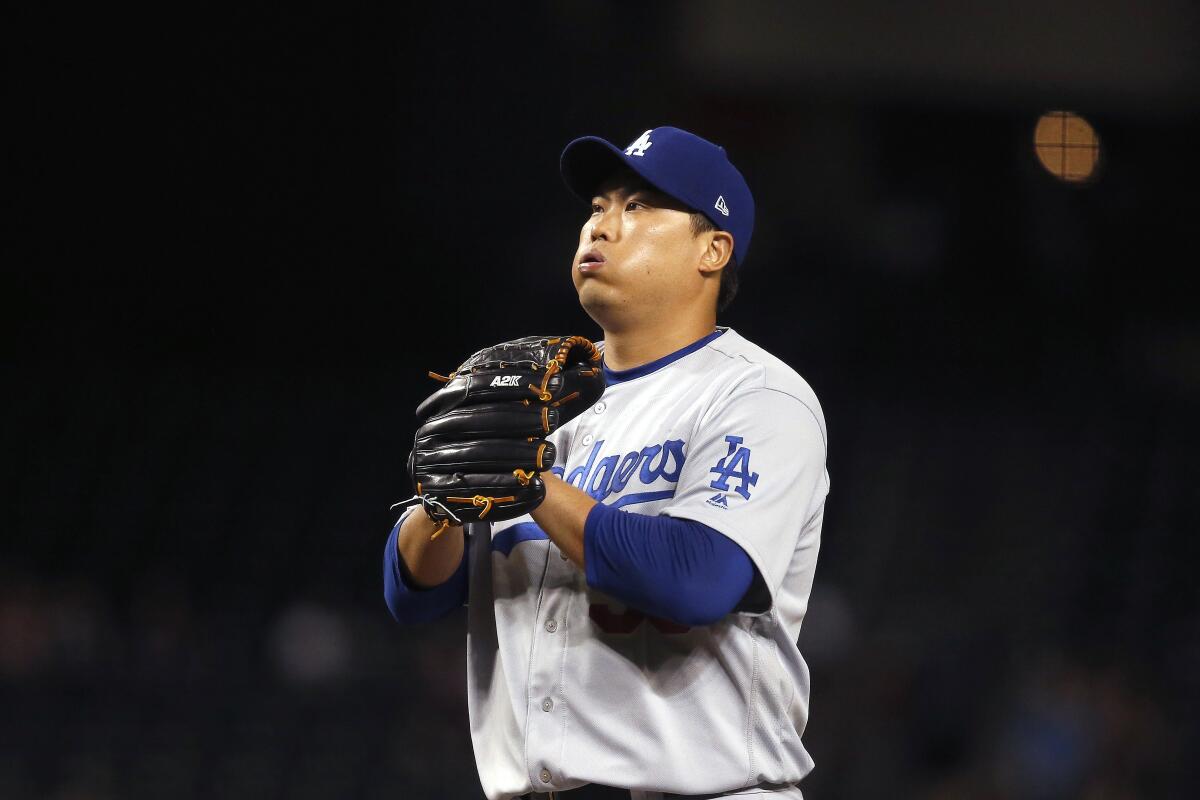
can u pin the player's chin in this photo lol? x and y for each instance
(595, 297)
(594, 285)
(587, 282)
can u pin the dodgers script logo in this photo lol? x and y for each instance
(612, 474)
(604, 477)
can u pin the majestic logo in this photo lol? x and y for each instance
(611, 474)
(640, 145)
(506, 380)
(719, 500)
(735, 466)
(720, 205)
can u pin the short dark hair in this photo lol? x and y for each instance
(729, 275)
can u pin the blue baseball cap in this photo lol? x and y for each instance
(692, 170)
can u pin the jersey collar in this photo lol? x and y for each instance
(612, 376)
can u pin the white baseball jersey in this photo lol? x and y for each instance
(565, 685)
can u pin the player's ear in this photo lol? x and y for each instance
(717, 251)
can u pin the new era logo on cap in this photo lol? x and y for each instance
(681, 164)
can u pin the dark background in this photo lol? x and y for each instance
(237, 238)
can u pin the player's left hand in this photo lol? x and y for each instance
(481, 443)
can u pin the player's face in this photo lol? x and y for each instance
(637, 255)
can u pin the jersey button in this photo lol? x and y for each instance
(601, 406)
(551, 625)
(547, 704)
(544, 775)
(587, 439)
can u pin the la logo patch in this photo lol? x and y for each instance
(735, 466)
(640, 145)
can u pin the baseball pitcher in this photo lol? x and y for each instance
(633, 523)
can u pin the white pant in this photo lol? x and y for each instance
(753, 793)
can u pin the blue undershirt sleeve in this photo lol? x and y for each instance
(410, 603)
(673, 568)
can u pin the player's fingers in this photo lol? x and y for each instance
(483, 456)
(490, 421)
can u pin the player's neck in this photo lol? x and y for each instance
(632, 348)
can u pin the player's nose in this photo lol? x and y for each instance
(606, 224)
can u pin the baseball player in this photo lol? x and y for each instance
(635, 634)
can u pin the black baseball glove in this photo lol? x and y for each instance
(481, 441)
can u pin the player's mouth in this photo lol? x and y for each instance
(591, 261)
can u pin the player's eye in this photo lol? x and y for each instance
(596, 209)
(631, 204)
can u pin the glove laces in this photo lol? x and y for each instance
(426, 502)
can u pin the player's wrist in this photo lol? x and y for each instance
(421, 526)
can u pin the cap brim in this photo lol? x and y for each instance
(587, 161)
